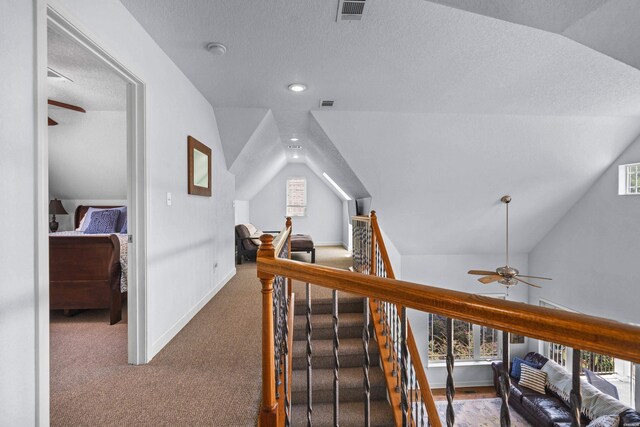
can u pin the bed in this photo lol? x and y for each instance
(88, 271)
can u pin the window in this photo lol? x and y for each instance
(629, 179)
(470, 342)
(296, 197)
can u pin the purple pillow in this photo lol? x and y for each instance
(121, 219)
(103, 222)
(123, 230)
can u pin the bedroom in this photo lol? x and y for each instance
(87, 167)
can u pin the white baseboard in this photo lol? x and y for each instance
(336, 243)
(345, 246)
(182, 322)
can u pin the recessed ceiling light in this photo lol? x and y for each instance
(294, 139)
(297, 87)
(295, 156)
(295, 147)
(216, 48)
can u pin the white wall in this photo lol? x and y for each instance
(88, 156)
(18, 190)
(242, 213)
(324, 209)
(186, 240)
(346, 222)
(592, 253)
(450, 271)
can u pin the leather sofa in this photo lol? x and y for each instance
(547, 410)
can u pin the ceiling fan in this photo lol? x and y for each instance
(52, 122)
(508, 276)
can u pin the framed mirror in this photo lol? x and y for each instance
(199, 167)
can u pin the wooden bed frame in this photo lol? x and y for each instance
(84, 271)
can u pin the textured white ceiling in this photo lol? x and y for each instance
(438, 190)
(608, 26)
(438, 110)
(94, 86)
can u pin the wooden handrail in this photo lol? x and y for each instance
(576, 330)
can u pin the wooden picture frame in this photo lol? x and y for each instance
(198, 167)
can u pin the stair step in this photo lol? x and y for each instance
(346, 304)
(350, 385)
(351, 414)
(349, 326)
(350, 353)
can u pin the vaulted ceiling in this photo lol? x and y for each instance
(440, 106)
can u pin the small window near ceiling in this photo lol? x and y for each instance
(296, 197)
(629, 179)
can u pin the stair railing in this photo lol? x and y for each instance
(407, 382)
(277, 336)
(579, 331)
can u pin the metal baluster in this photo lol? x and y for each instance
(365, 364)
(404, 368)
(412, 389)
(277, 337)
(336, 361)
(397, 346)
(576, 396)
(309, 350)
(505, 381)
(451, 390)
(287, 402)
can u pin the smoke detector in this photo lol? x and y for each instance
(216, 48)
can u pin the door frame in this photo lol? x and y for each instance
(137, 197)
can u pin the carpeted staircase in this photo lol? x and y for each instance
(351, 375)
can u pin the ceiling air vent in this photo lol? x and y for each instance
(350, 10)
(326, 103)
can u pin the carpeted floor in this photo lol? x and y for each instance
(208, 375)
(479, 413)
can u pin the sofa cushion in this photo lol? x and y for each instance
(517, 391)
(605, 421)
(547, 409)
(629, 418)
(242, 233)
(532, 378)
(517, 363)
(536, 358)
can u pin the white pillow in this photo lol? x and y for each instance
(254, 232)
(605, 421)
(532, 378)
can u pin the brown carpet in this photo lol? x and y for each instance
(208, 375)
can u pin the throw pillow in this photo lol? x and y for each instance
(103, 222)
(605, 421)
(532, 378)
(516, 364)
(123, 230)
(86, 219)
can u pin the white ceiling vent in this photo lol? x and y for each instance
(326, 103)
(350, 10)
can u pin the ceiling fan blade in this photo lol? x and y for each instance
(51, 122)
(535, 277)
(489, 279)
(527, 283)
(65, 105)
(482, 272)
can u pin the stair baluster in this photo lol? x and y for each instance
(366, 363)
(287, 401)
(575, 395)
(309, 352)
(451, 390)
(336, 361)
(404, 368)
(505, 417)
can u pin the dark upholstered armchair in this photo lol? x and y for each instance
(248, 241)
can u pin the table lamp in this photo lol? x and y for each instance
(55, 208)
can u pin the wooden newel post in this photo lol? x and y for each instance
(269, 409)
